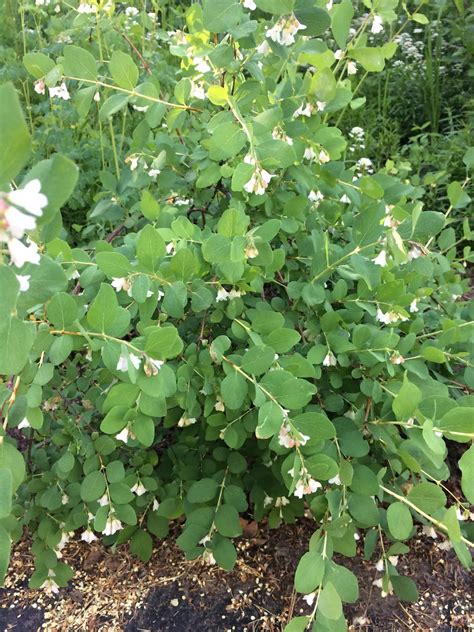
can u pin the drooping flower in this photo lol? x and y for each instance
(123, 435)
(323, 156)
(251, 251)
(104, 500)
(281, 501)
(208, 557)
(24, 423)
(152, 366)
(381, 259)
(284, 31)
(121, 283)
(414, 253)
(250, 4)
(198, 91)
(185, 421)
(88, 536)
(112, 525)
(397, 358)
(40, 86)
(414, 306)
(139, 489)
(21, 254)
(306, 485)
(335, 480)
(304, 110)
(309, 153)
(258, 182)
(29, 198)
(320, 106)
(24, 281)
(389, 317)
(50, 586)
(330, 359)
(351, 68)
(316, 197)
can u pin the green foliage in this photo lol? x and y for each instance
(238, 314)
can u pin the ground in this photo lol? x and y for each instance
(113, 591)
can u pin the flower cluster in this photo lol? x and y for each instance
(284, 31)
(15, 222)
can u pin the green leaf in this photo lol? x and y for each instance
(58, 176)
(219, 16)
(428, 497)
(329, 602)
(371, 187)
(227, 521)
(5, 492)
(202, 491)
(144, 430)
(299, 624)
(277, 7)
(93, 486)
(466, 465)
(371, 59)
(450, 520)
(216, 249)
(234, 390)
(270, 418)
(113, 264)
(15, 139)
(151, 248)
(309, 572)
(5, 548)
(458, 424)
(112, 105)
(225, 554)
(400, 521)
(9, 286)
(123, 70)
(257, 360)
(433, 354)
(315, 425)
(405, 588)
(114, 420)
(406, 400)
(219, 96)
(103, 309)
(38, 64)
(17, 339)
(79, 63)
(12, 460)
(341, 18)
(141, 545)
(316, 20)
(163, 343)
(62, 310)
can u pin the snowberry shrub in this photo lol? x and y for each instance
(266, 328)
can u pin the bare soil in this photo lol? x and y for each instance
(112, 591)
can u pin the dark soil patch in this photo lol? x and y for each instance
(113, 591)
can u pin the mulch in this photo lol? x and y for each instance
(113, 591)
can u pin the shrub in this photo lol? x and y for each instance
(248, 322)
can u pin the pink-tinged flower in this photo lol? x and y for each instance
(121, 283)
(112, 526)
(50, 586)
(304, 110)
(285, 437)
(258, 182)
(88, 536)
(21, 254)
(306, 485)
(152, 367)
(396, 358)
(40, 87)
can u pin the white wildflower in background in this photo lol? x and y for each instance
(323, 156)
(345, 199)
(61, 92)
(330, 359)
(198, 91)
(377, 24)
(284, 31)
(24, 281)
(267, 501)
(131, 12)
(201, 65)
(85, 7)
(351, 68)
